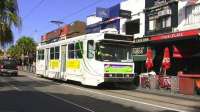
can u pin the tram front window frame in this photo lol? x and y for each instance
(113, 52)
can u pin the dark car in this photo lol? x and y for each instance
(8, 67)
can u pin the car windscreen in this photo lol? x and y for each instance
(9, 62)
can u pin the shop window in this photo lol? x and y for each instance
(133, 27)
(90, 49)
(160, 23)
(152, 25)
(192, 14)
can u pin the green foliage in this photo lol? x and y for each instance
(1, 53)
(9, 16)
(25, 46)
(13, 52)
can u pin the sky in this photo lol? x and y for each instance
(37, 14)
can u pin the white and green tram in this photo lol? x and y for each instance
(91, 59)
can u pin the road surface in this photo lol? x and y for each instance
(29, 93)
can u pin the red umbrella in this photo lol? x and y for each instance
(149, 60)
(166, 59)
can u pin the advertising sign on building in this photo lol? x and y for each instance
(125, 14)
(102, 12)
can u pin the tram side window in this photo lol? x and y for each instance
(52, 53)
(40, 54)
(90, 49)
(57, 52)
(79, 50)
(71, 51)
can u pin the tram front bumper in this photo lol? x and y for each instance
(118, 79)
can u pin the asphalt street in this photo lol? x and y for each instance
(29, 93)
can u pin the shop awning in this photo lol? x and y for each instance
(176, 35)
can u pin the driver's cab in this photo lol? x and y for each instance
(106, 51)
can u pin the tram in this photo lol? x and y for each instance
(90, 59)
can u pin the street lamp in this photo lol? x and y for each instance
(56, 22)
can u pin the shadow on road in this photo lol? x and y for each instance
(24, 83)
(30, 101)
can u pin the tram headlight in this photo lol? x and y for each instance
(127, 75)
(107, 75)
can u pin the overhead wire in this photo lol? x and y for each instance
(33, 9)
(77, 11)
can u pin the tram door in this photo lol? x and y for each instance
(63, 60)
(47, 61)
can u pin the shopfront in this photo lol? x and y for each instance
(139, 54)
(184, 50)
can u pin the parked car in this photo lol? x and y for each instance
(8, 67)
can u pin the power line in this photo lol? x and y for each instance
(34, 8)
(82, 9)
(78, 11)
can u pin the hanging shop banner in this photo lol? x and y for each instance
(177, 35)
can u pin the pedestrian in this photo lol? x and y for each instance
(198, 86)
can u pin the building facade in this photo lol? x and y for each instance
(174, 24)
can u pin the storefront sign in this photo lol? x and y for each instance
(140, 40)
(182, 34)
(139, 51)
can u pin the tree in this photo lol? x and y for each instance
(13, 51)
(26, 46)
(9, 16)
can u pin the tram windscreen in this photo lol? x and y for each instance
(109, 52)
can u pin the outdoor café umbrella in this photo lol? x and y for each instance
(166, 60)
(149, 59)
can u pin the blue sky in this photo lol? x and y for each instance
(37, 14)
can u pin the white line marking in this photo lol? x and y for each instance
(11, 85)
(16, 88)
(69, 102)
(90, 91)
(64, 100)
(135, 101)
